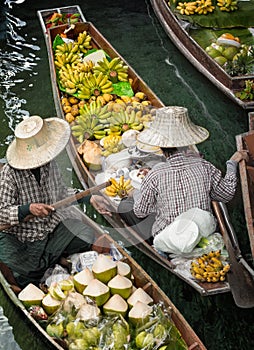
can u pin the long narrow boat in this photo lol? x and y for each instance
(142, 280)
(180, 33)
(245, 141)
(87, 176)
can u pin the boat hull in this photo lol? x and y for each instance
(197, 56)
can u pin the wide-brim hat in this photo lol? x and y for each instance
(37, 141)
(172, 127)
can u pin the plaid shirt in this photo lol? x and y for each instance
(19, 187)
(183, 182)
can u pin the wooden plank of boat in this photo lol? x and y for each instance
(198, 56)
(245, 141)
(142, 280)
(88, 177)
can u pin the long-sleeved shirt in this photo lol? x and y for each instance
(183, 182)
(20, 187)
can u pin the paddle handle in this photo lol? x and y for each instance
(67, 201)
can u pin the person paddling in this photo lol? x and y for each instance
(30, 182)
(184, 181)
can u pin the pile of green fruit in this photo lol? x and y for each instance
(102, 308)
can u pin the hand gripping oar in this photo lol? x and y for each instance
(239, 278)
(68, 201)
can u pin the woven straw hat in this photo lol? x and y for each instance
(37, 141)
(172, 127)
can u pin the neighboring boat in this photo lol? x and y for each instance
(178, 31)
(141, 280)
(87, 176)
(245, 141)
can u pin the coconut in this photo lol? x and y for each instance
(120, 285)
(139, 295)
(139, 313)
(31, 295)
(82, 278)
(97, 291)
(104, 268)
(56, 292)
(88, 312)
(123, 269)
(50, 304)
(74, 300)
(115, 305)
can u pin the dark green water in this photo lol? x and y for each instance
(133, 29)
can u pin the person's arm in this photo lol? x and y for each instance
(145, 203)
(223, 188)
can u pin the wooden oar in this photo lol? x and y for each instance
(68, 201)
(239, 278)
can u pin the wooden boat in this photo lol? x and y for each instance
(197, 56)
(87, 177)
(245, 141)
(142, 280)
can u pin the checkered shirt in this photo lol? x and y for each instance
(19, 187)
(183, 182)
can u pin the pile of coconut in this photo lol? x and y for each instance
(102, 293)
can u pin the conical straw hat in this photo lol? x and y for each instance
(37, 141)
(172, 127)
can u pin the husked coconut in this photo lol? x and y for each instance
(82, 278)
(116, 305)
(123, 269)
(97, 291)
(88, 312)
(104, 268)
(31, 295)
(139, 313)
(120, 285)
(139, 295)
(50, 304)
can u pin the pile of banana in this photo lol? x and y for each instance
(115, 69)
(124, 120)
(227, 5)
(112, 144)
(70, 53)
(119, 188)
(94, 85)
(91, 123)
(204, 7)
(209, 267)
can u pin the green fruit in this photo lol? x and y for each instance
(115, 305)
(120, 285)
(104, 268)
(139, 295)
(221, 60)
(144, 340)
(212, 52)
(55, 330)
(82, 279)
(97, 291)
(230, 52)
(50, 304)
(31, 295)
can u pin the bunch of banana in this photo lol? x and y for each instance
(81, 66)
(95, 85)
(119, 188)
(84, 42)
(87, 127)
(115, 69)
(70, 79)
(112, 144)
(95, 110)
(64, 58)
(187, 8)
(123, 121)
(209, 267)
(204, 7)
(227, 5)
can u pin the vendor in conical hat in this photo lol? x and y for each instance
(184, 181)
(30, 182)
